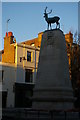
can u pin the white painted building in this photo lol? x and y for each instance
(18, 78)
(26, 57)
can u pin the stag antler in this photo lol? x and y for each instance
(49, 12)
(46, 9)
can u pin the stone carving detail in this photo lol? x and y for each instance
(50, 40)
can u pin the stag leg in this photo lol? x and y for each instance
(59, 25)
(56, 25)
(50, 26)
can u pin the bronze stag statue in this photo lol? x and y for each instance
(52, 19)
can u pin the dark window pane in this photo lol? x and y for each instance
(28, 56)
(28, 75)
(20, 59)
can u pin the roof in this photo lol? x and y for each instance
(33, 41)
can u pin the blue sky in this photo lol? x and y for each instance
(26, 19)
(79, 17)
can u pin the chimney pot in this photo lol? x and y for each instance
(6, 34)
(10, 34)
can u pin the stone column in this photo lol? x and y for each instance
(53, 89)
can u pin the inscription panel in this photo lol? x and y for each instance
(50, 40)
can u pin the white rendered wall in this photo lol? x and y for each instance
(9, 79)
(21, 51)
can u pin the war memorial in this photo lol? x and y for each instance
(53, 87)
(53, 94)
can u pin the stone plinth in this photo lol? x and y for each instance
(53, 88)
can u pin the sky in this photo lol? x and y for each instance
(26, 18)
(79, 17)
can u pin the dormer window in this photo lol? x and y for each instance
(32, 44)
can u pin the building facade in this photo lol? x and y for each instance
(73, 52)
(19, 66)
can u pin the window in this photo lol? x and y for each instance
(68, 45)
(1, 75)
(28, 56)
(20, 59)
(28, 75)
